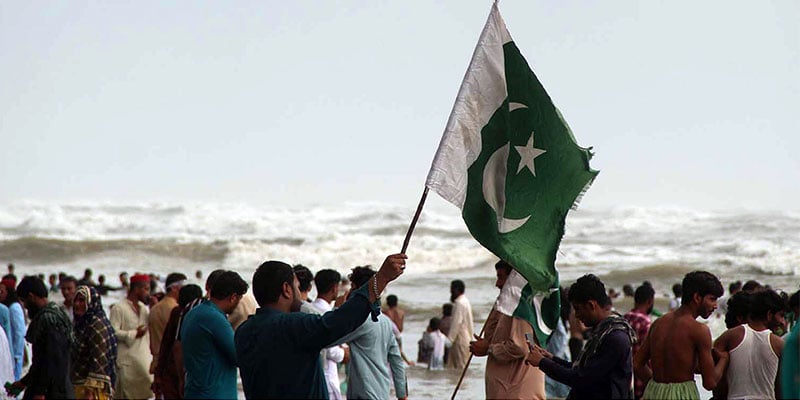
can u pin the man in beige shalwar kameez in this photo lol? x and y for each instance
(507, 375)
(129, 318)
(461, 326)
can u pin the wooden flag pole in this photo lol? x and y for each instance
(469, 360)
(414, 220)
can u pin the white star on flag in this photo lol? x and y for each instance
(527, 154)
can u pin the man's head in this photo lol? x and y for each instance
(447, 309)
(305, 277)
(212, 279)
(69, 285)
(174, 283)
(701, 291)
(502, 269)
(794, 303)
(275, 286)
(228, 290)
(87, 274)
(33, 293)
(644, 297)
(768, 307)
(188, 294)
(457, 288)
(327, 282)
(140, 288)
(739, 308)
(751, 286)
(589, 299)
(198, 274)
(52, 279)
(10, 268)
(627, 290)
(360, 275)
(101, 279)
(677, 290)
(734, 287)
(391, 301)
(123, 279)
(433, 324)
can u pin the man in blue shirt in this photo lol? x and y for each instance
(278, 348)
(209, 355)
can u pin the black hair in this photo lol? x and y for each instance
(447, 309)
(586, 288)
(11, 297)
(174, 277)
(764, 302)
(269, 279)
(69, 278)
(751, 286)
(566, 308)
(502, 264)
(325, 279)
(304, 276)
(627, 289)
(228, 283)
(702, 283)
(212, 279)
(360, 276)
(188, 294)
(434, 323)
(734, 286)
(458, 285)
(87, 272)
(739, 308)
(677, 290)
(794, 300)
(391, 300)
(101, 278)
(643, 294)
(31, 285)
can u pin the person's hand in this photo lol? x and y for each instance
(156, 386)
(543, 352)
(346, 355)
(719, 355)
(534, 357)
(392, 268)
(480, 347)
(141, 330)
(14, 389)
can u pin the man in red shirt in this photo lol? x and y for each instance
(639, 319)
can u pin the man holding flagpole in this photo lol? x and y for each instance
(507, 375)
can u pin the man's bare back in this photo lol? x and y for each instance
(674, 341)
(396, 315)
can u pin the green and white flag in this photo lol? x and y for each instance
(509, 161)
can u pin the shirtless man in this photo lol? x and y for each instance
(395, 313)
(678, 345)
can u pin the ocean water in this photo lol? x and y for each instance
(620, 245)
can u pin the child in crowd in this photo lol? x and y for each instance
(432, 345)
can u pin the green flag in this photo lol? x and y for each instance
(510, 162)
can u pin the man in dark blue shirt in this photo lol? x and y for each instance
(604, 368)
(278, 348)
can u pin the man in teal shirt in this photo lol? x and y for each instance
(209, 355)
(278, 348)
(373, 352)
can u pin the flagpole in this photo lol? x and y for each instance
(469, 360)
(414, 220)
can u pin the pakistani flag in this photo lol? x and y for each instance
(510, 162)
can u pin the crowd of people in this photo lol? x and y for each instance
(180, 342)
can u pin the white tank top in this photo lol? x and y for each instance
(753, 367)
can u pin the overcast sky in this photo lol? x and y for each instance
(686, 103)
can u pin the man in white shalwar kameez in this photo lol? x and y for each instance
(461, 326)
(129, 318)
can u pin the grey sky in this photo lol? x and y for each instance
(686, 103)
